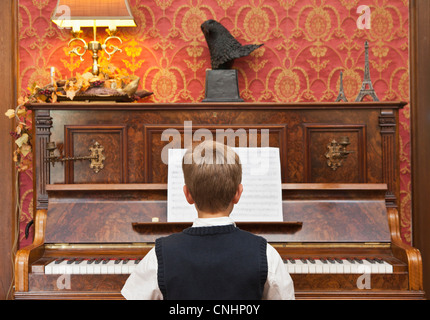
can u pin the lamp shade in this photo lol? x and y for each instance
(93, 13)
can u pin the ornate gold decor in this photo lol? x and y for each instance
(77, 14)
(337, 152)
(96, 157)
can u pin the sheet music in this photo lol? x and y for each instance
(261, 199)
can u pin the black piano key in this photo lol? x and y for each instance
(338, 260)
(91, 261)
(137, 261)
(70, 261)
(352, 261)
(378, 260)
(311, 260)
(58, 261)
(304, 261)
(117, 261)
(370, 260)
(105, 261)
(358, 260)
(323, 260)
(292, 261)
(98, 261)
(331, 261)
(78, 261)
(124, 261)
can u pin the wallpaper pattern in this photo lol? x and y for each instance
(307, 43)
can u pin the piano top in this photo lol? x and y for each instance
(123, 213)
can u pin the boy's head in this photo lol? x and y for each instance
(213, 175)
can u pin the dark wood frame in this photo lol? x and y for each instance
(8, 93)
(420, 132)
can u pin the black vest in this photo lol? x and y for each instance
(212, 263)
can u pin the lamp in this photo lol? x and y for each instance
(78, 14)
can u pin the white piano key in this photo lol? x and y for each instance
(117, 267)
(97, 269)
(383, 266)
(373, 266)
(364, 268)
(131, 267)
(49, 268)
(312, 267)
(301, 267)
(104, 267)
(353, 266)
(332, 266)
(290, 266)
(339, 267)
(323, 267)
(67, 267)
(318, 266)
(75, 268)
(388, 267)
(124, 266)
(59, 268)
(110, 267)
(83, 267)
(346, 266)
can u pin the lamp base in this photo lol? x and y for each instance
(222, 86)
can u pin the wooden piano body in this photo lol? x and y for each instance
(344, 213)
(115, 222)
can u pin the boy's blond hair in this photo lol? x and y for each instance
(212, 173)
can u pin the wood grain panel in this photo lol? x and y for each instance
(354, 167)
(233, 135)
(329, 213)
(373, 126)
(114, 141)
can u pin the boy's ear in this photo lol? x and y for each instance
(238, 194)
(188, 196)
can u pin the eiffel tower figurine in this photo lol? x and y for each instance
(341, 96)
(366, 81)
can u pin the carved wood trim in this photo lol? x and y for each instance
(25, 256)
(388, 124)
(404, 252)
(43, 125)
(70, 130)
(359, 129)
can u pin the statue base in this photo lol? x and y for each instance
(222, 86)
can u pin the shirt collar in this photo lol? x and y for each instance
(210, 222)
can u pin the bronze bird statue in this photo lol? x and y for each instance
(223, 47)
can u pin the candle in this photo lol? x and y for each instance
(52, 74)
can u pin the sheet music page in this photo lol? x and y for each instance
(261, 199)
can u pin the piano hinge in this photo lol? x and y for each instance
(106, 246)
(331, 245)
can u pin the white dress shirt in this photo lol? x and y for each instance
(143, 284)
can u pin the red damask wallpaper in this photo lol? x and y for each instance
(307, 43)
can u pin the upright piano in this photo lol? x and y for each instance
(340, 236)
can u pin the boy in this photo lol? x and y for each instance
(213, 259)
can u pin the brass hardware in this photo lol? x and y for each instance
(337, 152)
(95, 46)
(96, 157)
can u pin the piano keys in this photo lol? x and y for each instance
(335, 266)
(91, 266)
(303, 266)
